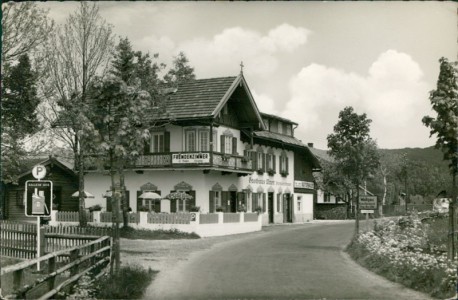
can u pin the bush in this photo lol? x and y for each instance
(130, 283)
(194, 209)
(145, 234)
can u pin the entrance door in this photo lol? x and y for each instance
(233, 201)
(270, 200)
(287, 209)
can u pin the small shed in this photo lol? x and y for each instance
(59, 171)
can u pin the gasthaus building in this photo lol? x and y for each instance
(216, 146)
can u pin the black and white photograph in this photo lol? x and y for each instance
(229, 150)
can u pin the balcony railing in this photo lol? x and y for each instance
(184, 160)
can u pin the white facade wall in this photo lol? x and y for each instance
(304, 211)
(165, 180)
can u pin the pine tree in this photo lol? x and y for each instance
(19, 116)
(181, 72)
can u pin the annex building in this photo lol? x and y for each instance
(214, 144)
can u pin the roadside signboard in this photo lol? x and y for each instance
(367, 211)
(38, 198)
(368, 202)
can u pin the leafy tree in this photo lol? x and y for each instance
(119, 114)
(354, 151)
(19, 119)
(78, 53)
(180, 72)
(444, 101)
(24, 28)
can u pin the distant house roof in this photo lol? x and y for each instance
(278, 118)
(321, 154)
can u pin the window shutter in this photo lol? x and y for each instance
(254, 159)
(222, 144)
(287, 165)
(166, 141)
(254, 202)
(234, 145)
(139, 200)
(264, 162)
(274, 163)
(224, 198)
(211, 201)
(268, 158)
(109, 204)
(264, 202)
(173, 205)
(192, 202)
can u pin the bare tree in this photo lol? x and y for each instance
(79, 52)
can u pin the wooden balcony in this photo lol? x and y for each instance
(186, 161)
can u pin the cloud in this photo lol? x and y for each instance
(228, 48)
(393, 94)
(265, 103)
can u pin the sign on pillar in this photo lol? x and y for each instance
(38, 198)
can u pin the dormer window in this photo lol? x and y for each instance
(228, 143)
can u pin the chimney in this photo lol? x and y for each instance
(310, 145)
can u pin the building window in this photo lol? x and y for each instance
(260, 160)
(227, 144)
(191, 140)
(284, 169)
(299, 203)
(157, 142)
(327, 197)
(204, 140)
(248, 201)
(217, 198)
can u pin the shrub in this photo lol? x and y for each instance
(130, 283)
(194, 208)
(145, 234)
(400, 249)
(95, 208)
(219, 209)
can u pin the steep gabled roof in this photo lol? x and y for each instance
(278, 118)
(205, 98)
(198, 98)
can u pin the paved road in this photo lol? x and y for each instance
(300, 262)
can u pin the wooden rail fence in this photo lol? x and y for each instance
(19, 240)
(78, 261)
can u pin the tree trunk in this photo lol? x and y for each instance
(451, 212)
(81, 204)
(115, 216)
(357, 209)
(124, 206)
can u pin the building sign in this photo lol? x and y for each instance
(268, 182)
(39, 198)
(303, 184)
(367, 202)
(191, 158)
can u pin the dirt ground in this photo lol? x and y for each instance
(160, 255)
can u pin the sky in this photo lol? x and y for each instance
(306, 61)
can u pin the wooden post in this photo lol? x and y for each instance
(38, 242)
(17, 279)
(74, 256)
(51, 269)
